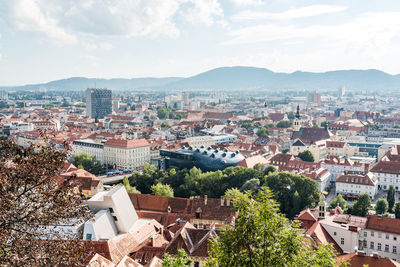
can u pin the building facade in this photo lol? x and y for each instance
(127, 154)
(98, 103)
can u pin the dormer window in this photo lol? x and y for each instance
(169, 209)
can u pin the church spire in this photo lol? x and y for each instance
(298, 112)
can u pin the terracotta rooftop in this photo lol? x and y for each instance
(127, 143)
(359, 260)
(384, 224)
(391, 167)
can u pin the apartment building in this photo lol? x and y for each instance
(388, 173)
(382, 236)
(356, 183)
(89, 146)
(126, 154)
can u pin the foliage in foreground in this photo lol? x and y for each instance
(264, 237)
(181, 259)
(32, 201)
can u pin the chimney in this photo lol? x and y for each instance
(153, 241)
(205, 200)
(222, 201)
(228, 201)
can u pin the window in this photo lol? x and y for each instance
(365, 234)
(386, 248)
(342, 241)
(115, 218)
(380, 235)
(372, 233)
(394, 249)
(395, 238)
(89, 237)
(379, 246)
(334, 233)
(365, 244)
(196, 264)
(111, 210)
(371, 245)
(387, 236)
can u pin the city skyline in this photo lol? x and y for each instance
(42, 41)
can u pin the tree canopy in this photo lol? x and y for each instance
(285, 184)
(397, 210)
(262, 236)
(181, 259)
(361, 206)
(87, 162)
(162, 190)
(338, 201)
(283, 124)
(381, 206)
(262, 132)
(306, 156)
(391, 198)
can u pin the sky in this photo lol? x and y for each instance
(44, 40)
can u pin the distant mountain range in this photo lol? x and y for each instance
(236, 78)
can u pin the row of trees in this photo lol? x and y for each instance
(363, 204)
(292, 192)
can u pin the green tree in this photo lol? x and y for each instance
(339, 200)
(397, 210)
(262, 236)
(149, 176)
(284, 124)
(232, 192)
(285, 184)
(391, 197)
(160, 189)
(361, 206)
(270, 169)
(381, 206)
(252, 185)
(88, 162)
(181, 259)
(162, 113)
(128, 187)
(306, 156)
(260, 167)
(262, 132)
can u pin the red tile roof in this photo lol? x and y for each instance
(127, 143)
(384, 224)
(366, 179)
(359, 260)
(391, 167)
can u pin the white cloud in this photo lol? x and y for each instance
(367, 29)
(203, 12)
(29, 16)
(303, 12)
(242, 3)
(68, 21)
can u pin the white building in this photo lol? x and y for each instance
(90, 147)
(114, 214)
(388, 173)
(337, 166)
(126, 154)
(356, 184)
(381, 236)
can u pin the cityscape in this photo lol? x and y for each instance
(240, 163)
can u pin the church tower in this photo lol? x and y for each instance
(297, 120)
(321, 207)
